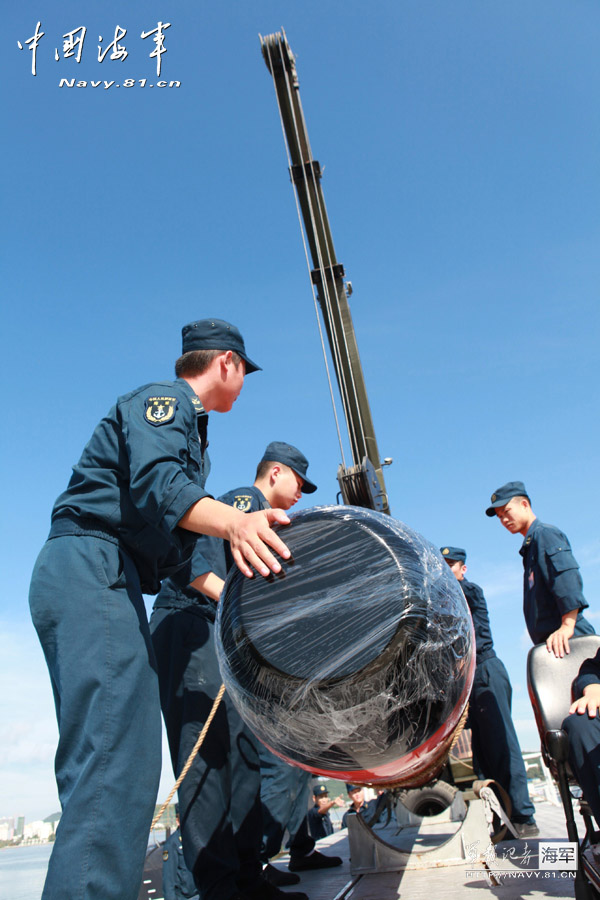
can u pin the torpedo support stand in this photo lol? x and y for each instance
(457, 836)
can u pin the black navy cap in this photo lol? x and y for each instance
(353, 787)
(504, 495)
(320, 790)
(215, 334)
(278, 451)
(456, 554)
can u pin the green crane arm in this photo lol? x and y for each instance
(361, 484)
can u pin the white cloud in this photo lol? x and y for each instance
(529, 736)
(525, 640)
(28, 730)
(589, 554)
(502, 582)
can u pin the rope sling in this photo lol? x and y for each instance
(191, 757)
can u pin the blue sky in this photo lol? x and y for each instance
(460, 143)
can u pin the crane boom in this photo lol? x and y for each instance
(361, 484)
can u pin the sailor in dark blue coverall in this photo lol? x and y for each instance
(127, 519)
(552, 586)
(178, 881)
(583, 728)
(219, 799)
(358, 805)
(319, 820)
(496, 750)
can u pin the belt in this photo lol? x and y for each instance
(181, 600)
(82, 525)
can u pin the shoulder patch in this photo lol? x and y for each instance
(243, 502)
(160, 410)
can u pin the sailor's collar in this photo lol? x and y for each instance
(193, 397)
(529, 537)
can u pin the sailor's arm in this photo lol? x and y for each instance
(209, 584)
(558, 641)
(590, 702)
(249, 534)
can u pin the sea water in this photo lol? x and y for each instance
(23, 871)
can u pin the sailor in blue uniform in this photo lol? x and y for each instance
(319, 820)
(178, 881)
(583, 728)
(219, 799)
(552, 586)
(129, 517)
(496, 750)
(358, 805)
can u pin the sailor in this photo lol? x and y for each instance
(220, 796)
(358, 805)
(583, 728)
(178, 881)
(552, 586)
(496, 750)
(319, 820)
(128, 518)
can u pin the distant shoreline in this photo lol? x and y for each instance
(25, 844)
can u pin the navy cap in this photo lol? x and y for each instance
(278, 451)
(504, 495)
(353, 787)
(456, 554)
(320, 790)
(215, 334)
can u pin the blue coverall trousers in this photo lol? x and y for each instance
(584, 756)
(87, 607)
(219, 799)
(284, 792)
(495, 743)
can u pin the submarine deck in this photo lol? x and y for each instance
(450, 882)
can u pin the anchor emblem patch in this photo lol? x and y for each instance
(160, 410)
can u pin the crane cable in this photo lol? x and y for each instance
(329, 382)
(336, 351)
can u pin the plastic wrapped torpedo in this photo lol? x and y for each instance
(357, 661)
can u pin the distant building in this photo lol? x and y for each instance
(20, 827)
(7, 829)
(38, 831)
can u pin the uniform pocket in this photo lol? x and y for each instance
(110, 564)
(562, 560)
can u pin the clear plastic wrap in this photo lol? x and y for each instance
(357, 661)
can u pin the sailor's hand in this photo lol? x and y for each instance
(589, 703)
(250, 538)
(558, 642)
